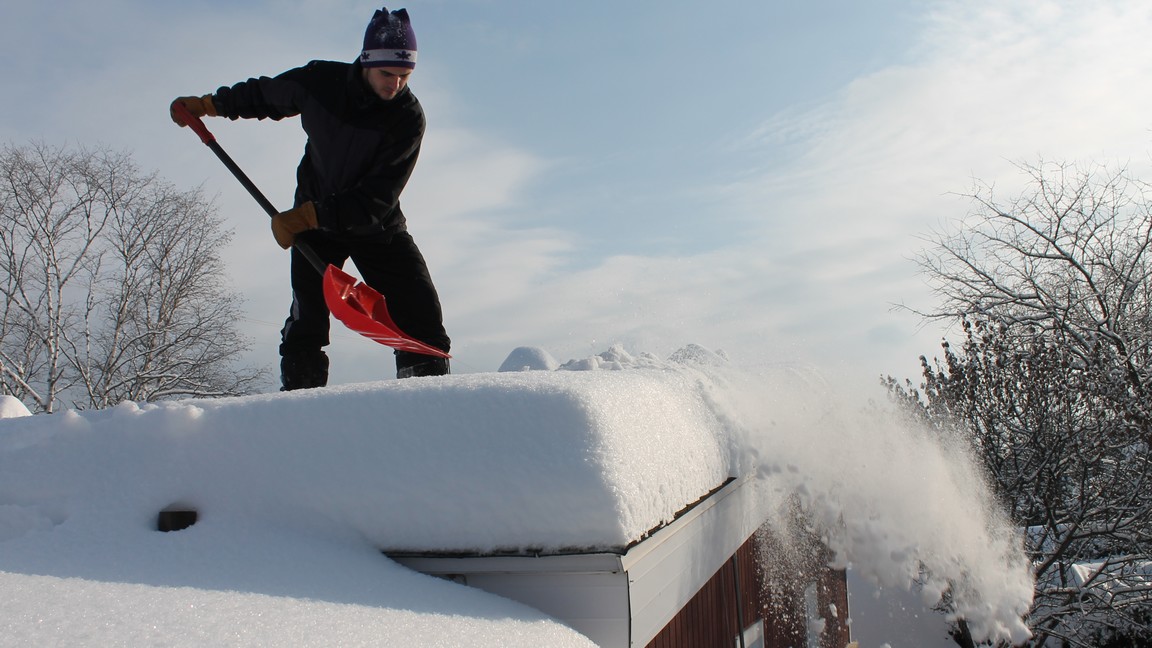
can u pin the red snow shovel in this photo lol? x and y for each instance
(361, 308)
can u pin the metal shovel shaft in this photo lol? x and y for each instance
(209, 139)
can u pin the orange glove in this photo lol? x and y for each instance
(286, 225)
(198, 106)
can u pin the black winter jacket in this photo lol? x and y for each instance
(360, 151)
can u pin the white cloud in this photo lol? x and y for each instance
(989, 84)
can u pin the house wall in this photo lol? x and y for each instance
(744, 598)
(678, 587)
(588, 592)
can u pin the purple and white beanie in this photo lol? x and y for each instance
(389, 40)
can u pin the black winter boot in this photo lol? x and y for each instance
(415, 365)
(303, 370)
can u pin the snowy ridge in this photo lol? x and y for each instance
(477, 463)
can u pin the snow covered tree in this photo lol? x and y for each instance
(1052, 383)
(111, 285)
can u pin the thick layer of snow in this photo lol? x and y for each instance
(529, 359)
(11, 407)
(230, 585)
(477, 462)
(297, 494)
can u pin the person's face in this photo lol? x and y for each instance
(387, 82)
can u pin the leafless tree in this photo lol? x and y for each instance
(111, 284)
(1052, 385)
(1072, 257)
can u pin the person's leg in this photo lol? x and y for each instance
(303, 363)
(415, 365)
(303, 370)
(397, 270)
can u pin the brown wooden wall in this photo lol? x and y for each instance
(712, 618)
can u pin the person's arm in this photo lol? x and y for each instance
(262, 98)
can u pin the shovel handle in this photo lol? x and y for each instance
(198, 127)
(193, 122)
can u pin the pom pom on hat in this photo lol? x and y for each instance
(389, 40)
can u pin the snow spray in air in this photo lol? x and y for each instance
(899, 505)
(858, 486)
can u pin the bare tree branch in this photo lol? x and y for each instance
(111, 284)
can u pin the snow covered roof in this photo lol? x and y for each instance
(479, 463)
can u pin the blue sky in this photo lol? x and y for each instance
(749, 176)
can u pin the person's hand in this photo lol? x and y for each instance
(197, 106)
(286, 225)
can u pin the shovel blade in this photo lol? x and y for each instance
(363, 310)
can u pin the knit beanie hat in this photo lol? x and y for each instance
(389, 40)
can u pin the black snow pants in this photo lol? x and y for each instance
(392, 266)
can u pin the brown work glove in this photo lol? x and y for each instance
(286, 225)
(198, 106)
